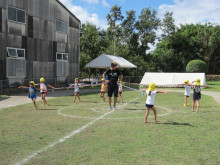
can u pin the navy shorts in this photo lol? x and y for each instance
(149, 106)
(196, 97)
(43, 92)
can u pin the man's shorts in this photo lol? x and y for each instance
(112, 89)
(149, 106)
(196, 97)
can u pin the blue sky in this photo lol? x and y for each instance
(185, 11)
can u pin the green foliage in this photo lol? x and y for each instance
(196, 66)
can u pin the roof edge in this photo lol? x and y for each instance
(68, 10)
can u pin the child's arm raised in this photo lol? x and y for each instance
(70, 86)
(51, 87)
(162, 92)
(23, 87)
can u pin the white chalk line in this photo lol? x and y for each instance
(115, 118)
(61, 140)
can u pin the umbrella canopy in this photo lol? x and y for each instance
(104, 61)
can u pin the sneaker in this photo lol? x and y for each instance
(114, 107)
(187, 104)
(184, 105)
(110, 107)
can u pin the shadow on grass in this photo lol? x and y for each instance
(176, 124)
(48, 109)
(137, 109)
(58, 105)
(4, 98)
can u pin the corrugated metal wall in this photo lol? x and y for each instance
(39, 37)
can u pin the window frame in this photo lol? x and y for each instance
(17, 15)
(61, 27)
(16, 49)
(62, 57)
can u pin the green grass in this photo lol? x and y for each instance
(181, 137)
(213, 86)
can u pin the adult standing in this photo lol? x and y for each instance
(111, 76)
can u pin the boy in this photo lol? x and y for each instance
(32, 92)
(103, 89)
(196, 94)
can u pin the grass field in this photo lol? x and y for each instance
(117, 138)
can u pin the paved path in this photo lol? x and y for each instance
(22, 98)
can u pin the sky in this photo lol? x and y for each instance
(184, 11)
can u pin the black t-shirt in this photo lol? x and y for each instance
(112, 76)
(197, 90)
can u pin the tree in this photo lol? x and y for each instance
(167, 25)
(147, 25)
(196, 66)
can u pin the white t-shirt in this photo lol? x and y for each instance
(43, 87)
(187, 90)
(150, 98)
(76, 86)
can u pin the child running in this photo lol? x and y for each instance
(103, 89)
(120, 90)
(32, 92)
(151, 93)
(196, 94)
(187, 91)
(76, 85)
(43, 89)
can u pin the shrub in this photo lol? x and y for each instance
(196, 66)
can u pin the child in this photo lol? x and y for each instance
(103, 89)
(196, 94)
(76, 85)
(43, 89)
(32, 92)
(151, 93)
(120, 90)
(187, 91)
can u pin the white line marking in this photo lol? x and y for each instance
(36, 153)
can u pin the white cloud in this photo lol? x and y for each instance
(105, 3)
(193, 11)
(84, 15)
(91, 1)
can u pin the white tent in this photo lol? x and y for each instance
(104, 61)
(171, 79)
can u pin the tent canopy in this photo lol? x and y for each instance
(104, 61)
(171, 79)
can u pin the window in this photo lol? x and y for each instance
(16, 15)
(62, 57)
(61, 27)
(62, 64)
(15, 52)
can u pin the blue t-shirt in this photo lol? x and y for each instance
(32, 93)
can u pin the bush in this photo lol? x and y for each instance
(196, 66)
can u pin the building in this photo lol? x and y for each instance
(38, 38)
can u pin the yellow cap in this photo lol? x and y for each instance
(42, 80)
(186, 81)
(151, 87)
(102, 79)
(32, 82)
(197, 81)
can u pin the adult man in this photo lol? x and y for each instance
(111, 75)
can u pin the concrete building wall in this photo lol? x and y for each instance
(39, 37)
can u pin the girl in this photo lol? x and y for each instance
(32, 92)
(43, 89)
(151, 93)
(120, 90)
(196, 94)
(103, 89)
(76, 85)
(187, 91)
